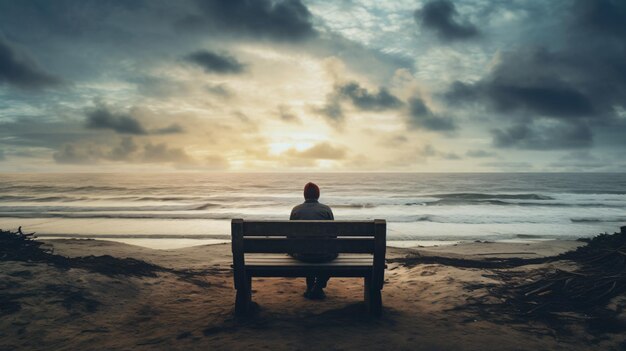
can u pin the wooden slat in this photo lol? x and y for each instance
(295, 271)
(285, 263)
(308, 228)
(285, 259)
(318, 245)
(278, 259)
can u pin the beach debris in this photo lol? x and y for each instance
(599, 276)
(20, 246)
(575, 285)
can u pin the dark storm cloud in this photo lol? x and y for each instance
(287, 20)
(420, 116)
(440, 16)
(528, 82)
(603, 15)
(72, 18)
(215, 63)
(558, 96)
(360, 98)
(364, 100)
(18, 69)
(103, 118)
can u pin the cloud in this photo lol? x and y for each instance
(126, 151)
(543, 137)
(38, 132)
(603, 15)
(364, 100)
(420, 116)
(527, 82)
(285, 114)
(124, 123)
(321, 151)
(103, 118)
(220, 90)
(558, 96)
(360, 98)
(162, 153)
(480, 154)
(215, 63)
(18, 69)
(173, 128)
(331, 110)
(439, 16)
(582, 160)
(394, 141)
(2, 156)
(72, 154)
(286, 20)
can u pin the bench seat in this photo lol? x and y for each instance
(283, 265)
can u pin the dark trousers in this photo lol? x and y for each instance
(319, 280)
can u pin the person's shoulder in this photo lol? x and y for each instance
(324, 206)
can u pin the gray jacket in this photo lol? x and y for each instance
(312, 210)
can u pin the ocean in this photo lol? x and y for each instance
(185, 209)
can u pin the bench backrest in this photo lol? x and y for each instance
(310, 237)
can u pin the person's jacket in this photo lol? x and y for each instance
(312, 210)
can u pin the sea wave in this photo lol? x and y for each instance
(597, 219)
(484, 196)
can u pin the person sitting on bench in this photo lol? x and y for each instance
(311, 209)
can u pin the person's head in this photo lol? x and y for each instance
(311, 191)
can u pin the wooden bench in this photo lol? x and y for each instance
(260, 250)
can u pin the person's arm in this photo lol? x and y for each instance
(330, 214)
(292, 216)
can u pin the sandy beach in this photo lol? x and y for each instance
(187, 304)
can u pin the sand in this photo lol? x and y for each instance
(192, 309)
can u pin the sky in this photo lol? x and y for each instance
(312, 85)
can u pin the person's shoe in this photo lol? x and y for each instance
(317, 293)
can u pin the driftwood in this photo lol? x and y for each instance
(600, 276)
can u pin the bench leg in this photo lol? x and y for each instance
(243, 300)
(373, 298)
